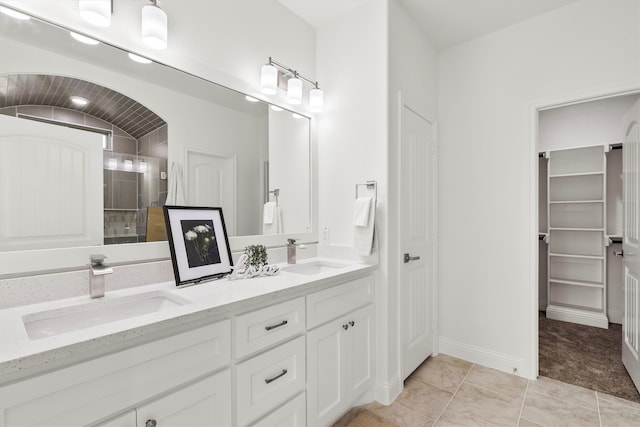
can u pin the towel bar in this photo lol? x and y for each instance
(371, 185)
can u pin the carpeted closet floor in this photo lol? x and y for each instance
(584, 356)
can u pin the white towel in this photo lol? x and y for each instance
(175, 190)
(268, 212)
(275, 227)
(361, 209)
(363, 237)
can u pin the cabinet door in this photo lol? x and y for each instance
(326, 381)
(204, 403)
(359, 352)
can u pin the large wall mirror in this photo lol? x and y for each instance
(149, 132)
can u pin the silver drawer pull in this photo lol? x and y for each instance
(268, 328)
(272, 379)
(408, 258)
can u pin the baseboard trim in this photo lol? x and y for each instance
(387, 391)
(599, 320)
(485, 357)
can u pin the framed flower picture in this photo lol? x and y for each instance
(198, 242)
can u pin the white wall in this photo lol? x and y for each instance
(486, 214)
(226, 41)
(352, 144)
(581, 125)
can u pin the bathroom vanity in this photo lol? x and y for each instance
(292, 349)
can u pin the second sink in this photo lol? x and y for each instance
(311, 268)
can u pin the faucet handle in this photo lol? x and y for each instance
(97, 259)
(291, 241)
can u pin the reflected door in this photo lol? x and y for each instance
(631, 250)
(211, 181)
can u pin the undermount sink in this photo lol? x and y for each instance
(311, 268)
(97, 312)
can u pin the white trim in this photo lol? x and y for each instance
(485, 357)
(386, 392)
(532, 135)
(599, 320)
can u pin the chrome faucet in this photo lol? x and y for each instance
(96, 276)
(291, 251)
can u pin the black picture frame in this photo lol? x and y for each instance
(199, 244)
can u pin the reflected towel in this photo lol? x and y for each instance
(268, 212)
(361, 209)
(363, 237)
(275, 227)
(175, 190)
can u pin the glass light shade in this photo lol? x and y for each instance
(14, 14)
(316, 100)
(142, 166)
(128, 164)
(84, 39)
(269, 79)
(79, 100)
(154, 27)
(96, 12)
(294, 91)
(113, 163)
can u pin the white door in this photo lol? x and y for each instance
(416, 244)
(211, 181)
(51, 193)
(631, 250)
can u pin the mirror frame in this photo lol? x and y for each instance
(44, 261)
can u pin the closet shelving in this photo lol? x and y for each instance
(576, 212)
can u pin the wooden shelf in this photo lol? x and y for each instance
(577, 283)
(566, 175)
(574, 201)
(601, 230)
(555, 254)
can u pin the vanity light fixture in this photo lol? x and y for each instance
(79, 101)
(84, 39)
(154, 26)
(96, 12)
(139, 59)
(271, 74)
(142, 166)
(128, 164)
(112, 163)
(14, 13)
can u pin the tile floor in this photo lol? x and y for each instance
(445, 391)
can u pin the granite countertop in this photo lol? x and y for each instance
(21, 355)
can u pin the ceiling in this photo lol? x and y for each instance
(445, 22)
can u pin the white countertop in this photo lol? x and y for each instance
(21, 355)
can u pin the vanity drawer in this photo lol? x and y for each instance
(269, 380)
(336, 301)
(261, 328)
(291, 414)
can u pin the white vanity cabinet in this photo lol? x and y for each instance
(339, 349)
(90, 392)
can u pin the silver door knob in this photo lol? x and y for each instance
(408, 258)
(619, 253)
(150, 423)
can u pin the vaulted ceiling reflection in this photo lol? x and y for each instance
(106, 104)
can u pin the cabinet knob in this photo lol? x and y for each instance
(352, 323)
(345, 326)
(150, 423)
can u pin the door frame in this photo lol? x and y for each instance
(533, 111)
(434, 253)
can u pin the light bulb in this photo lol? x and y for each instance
(113, 163)
(142, 166)
(128, 164)
(294, 91)
(84, 39)
(154, 27)
(96, 12)
(139, 59)
(269, 79)
(316, 100)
